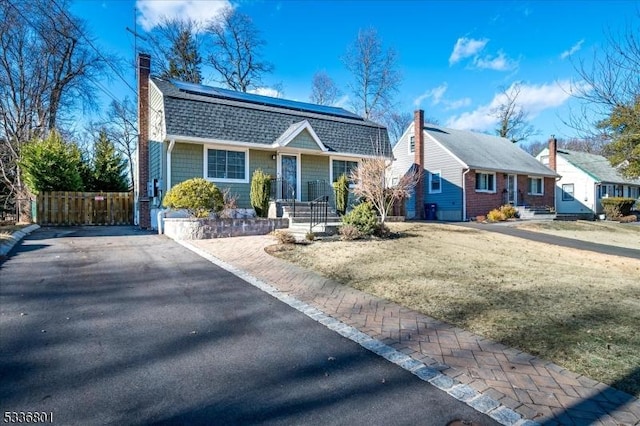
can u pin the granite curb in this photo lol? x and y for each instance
(16, 237)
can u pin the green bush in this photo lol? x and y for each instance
(260, 188)
(341, 188)
(363, 217)
(198, 196)
(615, 207)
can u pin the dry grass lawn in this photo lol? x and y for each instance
(579, 309)
(7, 230)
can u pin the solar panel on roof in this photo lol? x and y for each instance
(217, 92)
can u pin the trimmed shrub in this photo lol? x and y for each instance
(341, 188)
(260, 188)
(198, 196)
(496, 215)
(284, 237)
(615, 207)
(349, 233)
(509, 211)
(363, 217)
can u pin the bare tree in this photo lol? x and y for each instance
(592, 145)
(176, 43)
(236, 49)
(323, 89)
(512, 119)
(374, 183)
(397, 123)
(609, 88)
(375, 74)
(36, 94)
(121, 129)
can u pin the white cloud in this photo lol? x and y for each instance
(343, 102)
(466, 47)
(532, 98)
(498, 63)
(434, 94)
(574, 49)
(151, 12)
(460, 103)
(266, 91)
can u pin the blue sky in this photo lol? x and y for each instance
(455, 56)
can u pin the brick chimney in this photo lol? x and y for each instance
(144, 69)
(418, 128)
(553, 152)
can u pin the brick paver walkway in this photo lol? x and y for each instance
(538, 390)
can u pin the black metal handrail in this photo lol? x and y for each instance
(319, 209)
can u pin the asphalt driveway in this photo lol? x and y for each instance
(117, 326)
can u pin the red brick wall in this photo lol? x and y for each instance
(481, 203)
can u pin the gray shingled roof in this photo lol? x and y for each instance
(597, 166)
(486, 152)
(192, 115)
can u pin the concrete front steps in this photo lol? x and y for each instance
(535, 213)
(300, 221)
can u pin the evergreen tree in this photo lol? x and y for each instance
(109, 167)
(184, 59)
(51, 164)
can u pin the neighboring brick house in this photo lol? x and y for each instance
(224, 136)
(586, 180)
(467, 174)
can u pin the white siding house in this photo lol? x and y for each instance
(586, 179)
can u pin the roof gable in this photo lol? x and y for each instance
(301, 135)
(596, 166)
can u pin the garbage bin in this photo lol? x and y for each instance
(430, 211)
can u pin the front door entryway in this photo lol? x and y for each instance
(289, 175)
(512, 190)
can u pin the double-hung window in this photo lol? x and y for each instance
(536, 185)
(226, 165)
(412, 144)
(485, 182)
(435, 182)
(567, 192)
(342, 167)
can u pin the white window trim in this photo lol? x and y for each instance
(352, 159)
(495, 183)
(573, 194)
(207, 147)
(439, 173)
(536, 194)
(409, 150)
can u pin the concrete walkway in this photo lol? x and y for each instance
(535, 389)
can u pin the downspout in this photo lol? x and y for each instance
(464, 195)
(162, 212)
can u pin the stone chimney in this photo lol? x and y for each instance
(418, 126)
(144, 69)
(553, 153)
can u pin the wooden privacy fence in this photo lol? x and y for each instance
(84, 208)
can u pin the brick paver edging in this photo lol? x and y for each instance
(462, 392)
(533, 388)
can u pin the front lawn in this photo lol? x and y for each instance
(578, 309)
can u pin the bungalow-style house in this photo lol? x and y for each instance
(467, 174)
(586, 180)
(194, 130)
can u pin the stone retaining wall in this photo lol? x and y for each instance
(202, 229)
